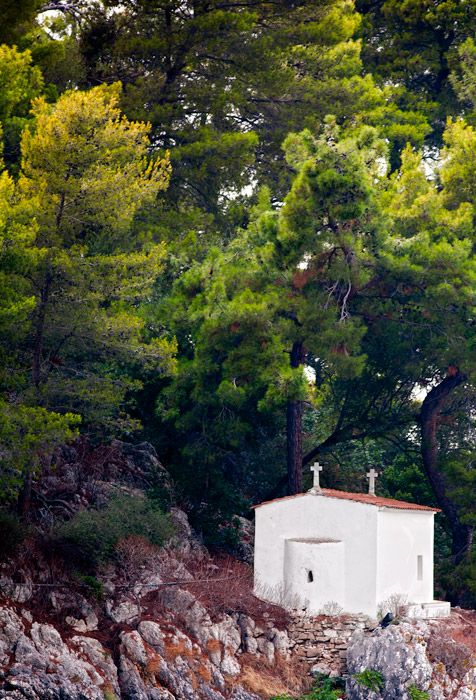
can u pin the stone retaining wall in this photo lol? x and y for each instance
(321, 642)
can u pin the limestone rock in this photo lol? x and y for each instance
(239, 693)
(132, 685)
(126, 611)
(142, 461)
(93, 651)
(246, 539)
(87, 624)
(133, 647)
(229, 665)
(227, 632)
(18, 592)
(400, 654)
(152, 634)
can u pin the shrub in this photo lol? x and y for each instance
(331, 609)
(91, 536)
(225, 585)
(371, 679)
(395, 604)
(12, 534)
(94, 586)
(133, 553)
(415, 693)
(324, 689)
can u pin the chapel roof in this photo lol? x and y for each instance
(366, 498)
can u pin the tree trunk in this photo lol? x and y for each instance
(39, 331)
(24, 497)
(430, 413)
(294, 429)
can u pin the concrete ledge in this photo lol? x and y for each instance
(428, 611)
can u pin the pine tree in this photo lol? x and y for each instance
(414, 45)
(87, 168)
(223, 85)
(249, 321)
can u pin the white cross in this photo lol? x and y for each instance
(316, 468)
(371, 476)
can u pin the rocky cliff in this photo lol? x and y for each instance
(432, 660)
(185, 626)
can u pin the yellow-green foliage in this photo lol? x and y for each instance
(20, 81)
(72, 276)
(89, 164)
(87, 168)
(25, 434)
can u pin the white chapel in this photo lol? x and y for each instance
(355, 550)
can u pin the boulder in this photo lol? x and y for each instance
(400, 655)
(127, 611)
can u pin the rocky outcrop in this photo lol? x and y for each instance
(173, 624)
(168, 646)
(155, 660)
(37, 664)
(153, 638)
(80, 475)
(411, 660)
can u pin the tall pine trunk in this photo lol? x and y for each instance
(24, 498)
(435, 401)
(294, 429)
(44, 300)
(40, 331)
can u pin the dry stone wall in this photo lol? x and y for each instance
(322, 642)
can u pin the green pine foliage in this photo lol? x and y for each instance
(244, 232)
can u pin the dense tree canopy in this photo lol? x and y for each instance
(244, 231)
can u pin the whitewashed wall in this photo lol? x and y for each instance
(403, 536)
(377, 556)
(311, 516)
(314, 570)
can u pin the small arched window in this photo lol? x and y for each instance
(310, 576)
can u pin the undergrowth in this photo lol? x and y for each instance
(371, 679)
(91, 537)
(324, 689)
(415, 693)
(221, 584)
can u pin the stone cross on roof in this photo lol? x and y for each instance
(371, 476)
(316, 487)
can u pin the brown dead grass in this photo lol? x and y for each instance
(225, 585)
(213, 645)
(283, 677)
(262, 682)
(153, 665)
(453, 643)
(175, 649)
(204, 672)
(461, 627)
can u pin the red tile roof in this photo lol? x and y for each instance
(360, 498)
